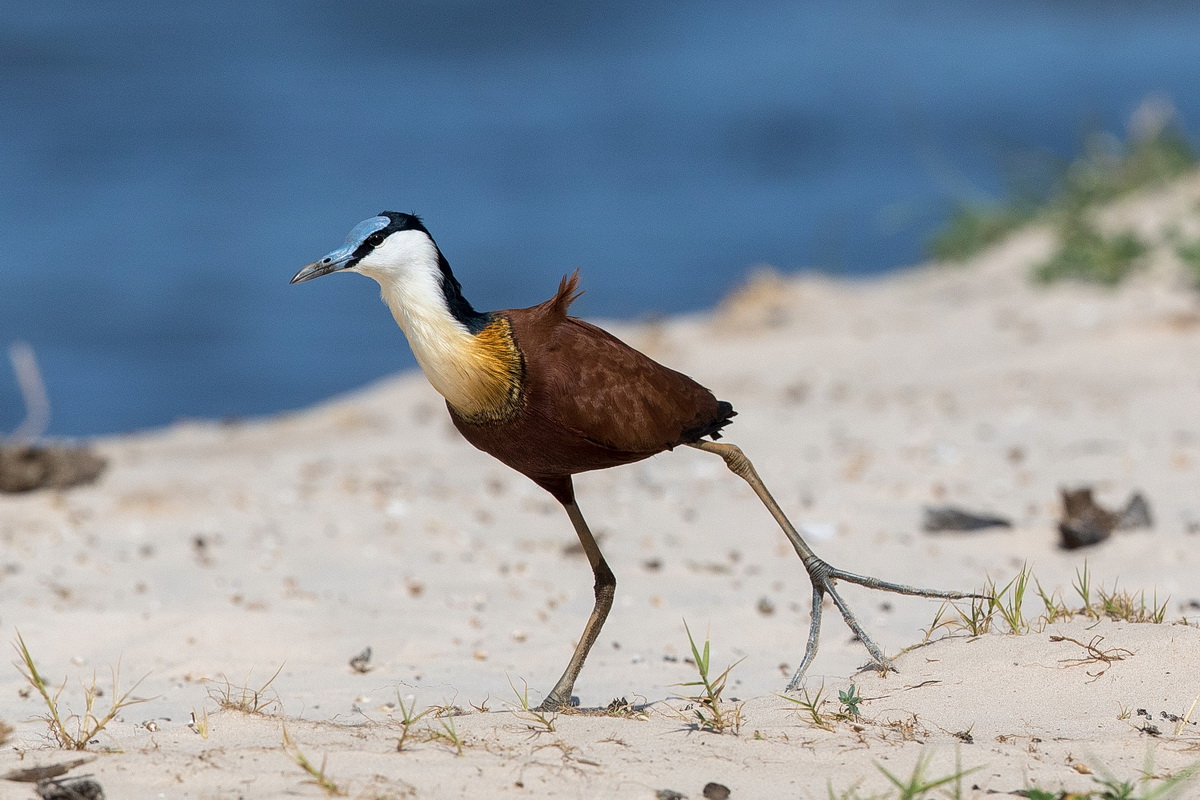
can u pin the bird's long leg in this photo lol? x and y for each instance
(605, 588)
(823, 575)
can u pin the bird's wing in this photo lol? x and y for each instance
(602, 389)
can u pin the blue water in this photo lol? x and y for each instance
(165, 168)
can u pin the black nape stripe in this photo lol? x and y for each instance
(459, 307)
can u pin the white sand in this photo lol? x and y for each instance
(212, 553)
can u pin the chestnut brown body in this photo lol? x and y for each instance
(588, 400)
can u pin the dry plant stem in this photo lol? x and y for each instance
(33, 392)
(1183, 721)
(199, 722)
(1095, 654)
(533, 716)
(88, 725)
(243, 698)
(31, 674)
(822, 575)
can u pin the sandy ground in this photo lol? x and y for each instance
(209, 556)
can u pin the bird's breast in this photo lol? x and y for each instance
(483, 378)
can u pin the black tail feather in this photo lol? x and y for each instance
(724, 416)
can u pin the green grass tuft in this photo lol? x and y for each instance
(1086, 254)
(75, 731)
(1006, 605)
(316, 775)
(536, 717)
(1189, 254)
(917, 786)
(409, 716)
(707, 704)
(811, 705)
(244, 698)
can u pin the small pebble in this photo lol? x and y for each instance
(716, 791)
(361, 663)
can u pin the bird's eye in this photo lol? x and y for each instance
(375, 239)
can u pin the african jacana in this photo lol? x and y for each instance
(551, 395)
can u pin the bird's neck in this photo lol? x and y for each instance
(470, 358)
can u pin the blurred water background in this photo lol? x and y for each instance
(165, 168)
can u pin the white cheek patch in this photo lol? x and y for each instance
(402, 251)
(406, 266)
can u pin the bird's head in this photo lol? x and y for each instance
(382, 247)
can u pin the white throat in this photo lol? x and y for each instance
(406, 268)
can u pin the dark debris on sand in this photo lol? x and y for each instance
(25, 467)
(1085, 522)
(81, 788)
(952, 518)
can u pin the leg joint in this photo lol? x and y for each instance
(819, 571)
(606, 582)
(737, 461)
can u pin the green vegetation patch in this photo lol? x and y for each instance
(973, 228)
(1086, 254)
(1189, 254)
(1107, 170)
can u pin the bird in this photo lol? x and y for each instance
(552, 396)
